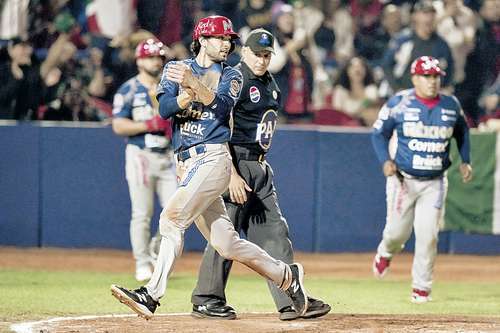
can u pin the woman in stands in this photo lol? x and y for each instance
(356, 93)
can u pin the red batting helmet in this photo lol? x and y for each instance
(426, 65)
(150, 48)
(214, 26)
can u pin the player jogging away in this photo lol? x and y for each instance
(422, 122)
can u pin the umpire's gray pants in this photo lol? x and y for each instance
(203, 178)
(261, 220)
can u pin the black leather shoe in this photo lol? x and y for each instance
(215, 310)
(317, 308)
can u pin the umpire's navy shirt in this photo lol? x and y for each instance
(256, 112)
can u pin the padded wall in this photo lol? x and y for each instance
(19, 185)
(66, 187)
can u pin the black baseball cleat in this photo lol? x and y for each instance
(296, 291)
(138, 300)
(316, 308)
(214, 310)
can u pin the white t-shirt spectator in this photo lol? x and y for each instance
(345, 102)
(111, 17)
(14, 19)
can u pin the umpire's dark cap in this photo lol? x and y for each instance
(260, 40)
(425, 6)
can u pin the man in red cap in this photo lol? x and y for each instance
(149, 164)
(199, 94)
(421, 123)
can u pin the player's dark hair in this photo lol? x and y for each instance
(343, 79)
(195, 47)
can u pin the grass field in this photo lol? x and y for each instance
(34, 294)
(28, 295)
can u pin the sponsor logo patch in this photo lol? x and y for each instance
(234, 89)
(118, 103)
(446, 118)
(254, 94)
(428, 162)
(428, 146)
(411, 116)
(419, 130)
(384, 113)
(265, 129)
(449, 112)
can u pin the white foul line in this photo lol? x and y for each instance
(28, 326)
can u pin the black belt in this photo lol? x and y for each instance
(250, 156)
(188, 153)
(157, 150)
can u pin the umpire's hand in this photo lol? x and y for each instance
(238, 188)
(466, 172)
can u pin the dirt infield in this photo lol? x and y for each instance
(251, 323)
(457, 268)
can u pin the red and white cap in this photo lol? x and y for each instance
(150, 48)
(426, 65)
(214, 26)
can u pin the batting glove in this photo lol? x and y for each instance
(158, 124)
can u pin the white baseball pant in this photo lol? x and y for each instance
(147, 172)
(418, 204)
(203, 178)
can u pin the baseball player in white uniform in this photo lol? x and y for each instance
(199, 95)
(149, 159)
(421, 123)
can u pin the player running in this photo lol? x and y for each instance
(421, 122)
(199, 95)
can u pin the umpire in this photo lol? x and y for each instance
(251, 201)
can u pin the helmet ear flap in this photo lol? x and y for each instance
(195, 47)
(233, 46)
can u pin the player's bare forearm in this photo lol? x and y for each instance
(128, 127)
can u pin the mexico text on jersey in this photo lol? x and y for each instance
(420, 135)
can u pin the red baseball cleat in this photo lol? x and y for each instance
(380, 266)
(420, 296)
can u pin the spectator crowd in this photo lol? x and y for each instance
(335, 61)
